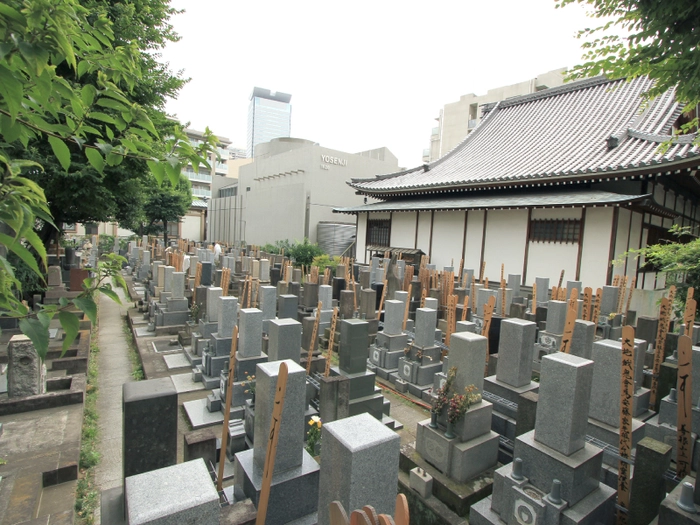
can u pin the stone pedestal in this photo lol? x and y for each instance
(180, 493)
(359, 466)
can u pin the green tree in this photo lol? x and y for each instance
(47, 50)
(164, 204)
(679, 261)
(645, 37)
(82, 193)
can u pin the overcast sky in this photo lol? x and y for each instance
(361, 74)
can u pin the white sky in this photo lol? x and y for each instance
(361, 74)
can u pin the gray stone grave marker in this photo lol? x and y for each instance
(359, 465)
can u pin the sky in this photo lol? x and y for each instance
(362, 74)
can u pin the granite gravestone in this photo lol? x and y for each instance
(150, 412)
(296, 474)
(524, 491)
(359, 465)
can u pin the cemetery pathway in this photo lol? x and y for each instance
(114, 370)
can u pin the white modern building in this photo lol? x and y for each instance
(290, 188)
(457, 119)
(568, 178)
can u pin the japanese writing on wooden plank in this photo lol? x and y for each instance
(626, 402)
(685, 405)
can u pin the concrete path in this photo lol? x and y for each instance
(114, 370)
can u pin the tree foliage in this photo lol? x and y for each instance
(650, 38)
(163, 204)
(66, 80)
(679, 261)
(304, 252)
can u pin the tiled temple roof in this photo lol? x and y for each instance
(580, 131)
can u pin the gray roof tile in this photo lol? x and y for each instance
(558, 133)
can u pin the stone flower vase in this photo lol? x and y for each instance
(433, 419)
(450, 432)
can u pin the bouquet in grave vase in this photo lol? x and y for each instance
(442, 394)
(459, 404)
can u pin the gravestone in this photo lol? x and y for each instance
(474, 449)
(26, 374)
(524, 491)
(542, 290)
(296, 474)
(389, 344)
(267, 296)
(284, 340)
(514, 283)
(513, 373)
(582, 339)
(287, 306)
(604, 412)
(150, 413)
(417, 368)
(359, 465)
(353, 347)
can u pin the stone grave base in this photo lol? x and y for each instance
(611, 435)
(194, 359)
(506, 391)
(200, 417)
(597, 507)
(165, 346)
(641, 402)
(60, 391)
(179, 360)
(457, 497)
(182, 493)
(668, 434)
(299, 485)
(112, 506)
(578, 472)
(374, 404)
(382, 373)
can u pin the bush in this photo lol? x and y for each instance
(303, 253)
(323, 261)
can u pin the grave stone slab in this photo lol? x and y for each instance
(287, 306)
(513, 283)
(178, 285)
(515, 352)
(227, 315)
(150, 412)
(284, 340)
(559, 424)
(213, 298)
(250, 332)
(171, 495)
(426, 319)
(542, 289)
(359, 465)
(353, 344)
(582, 339)
(26, 374)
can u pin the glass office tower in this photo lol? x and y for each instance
(269, 117)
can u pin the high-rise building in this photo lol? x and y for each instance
(269, 117)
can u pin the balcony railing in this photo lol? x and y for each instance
(199, 192)
(203, 177)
